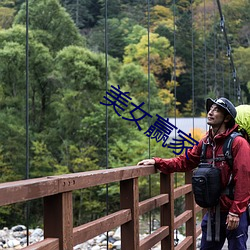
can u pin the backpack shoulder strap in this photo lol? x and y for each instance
(203, 152)
(227, 148)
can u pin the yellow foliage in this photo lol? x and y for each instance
(203, 114)
(172, 84)
(6, 17)
(179, 67)
(161, 15)
(174, 112)
(197, 133)
(160, 53)
(166, 96)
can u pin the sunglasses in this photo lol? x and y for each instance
(219, 101)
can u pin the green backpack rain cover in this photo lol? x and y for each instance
(243, 118)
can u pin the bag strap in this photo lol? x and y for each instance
(217, 223)
(209, 225)
(227, 151)
(203, 155)
(227, 148)
(203, 152)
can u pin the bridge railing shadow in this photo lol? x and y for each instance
(56, 192)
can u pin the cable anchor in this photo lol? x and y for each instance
(222, 24)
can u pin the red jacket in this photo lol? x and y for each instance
(241, 167)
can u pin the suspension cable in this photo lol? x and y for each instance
(174, 59)
(107, 120)
(192, 77)
(27, 207)
(221, 68)
(175, 91)
(215, 53)
(149, 144)
(205, 51)
(229, 53)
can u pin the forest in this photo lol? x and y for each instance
(57, 67)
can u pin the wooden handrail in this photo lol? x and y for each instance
(58, 208)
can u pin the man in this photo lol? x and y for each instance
(221, 115)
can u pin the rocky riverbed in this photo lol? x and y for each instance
(16, 238)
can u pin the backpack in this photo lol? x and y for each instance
(206, 179)
(243, 120)
(206, 185)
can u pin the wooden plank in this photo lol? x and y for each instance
(24, 190)
(58, 219)
(90, 230)
(190, 205)
(198, 209)
(129, 196)
(99, 177)
(178, 192)
(182, 218)
(154, 238)
(152, 203)
(46, 244)
(167, 210)
(198, 231)
(185, 244)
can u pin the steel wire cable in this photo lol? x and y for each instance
(236, 82)
(107, 120)
(149, 145)
(192, 76)
(205, 49)
(27, 204)
(175, 89)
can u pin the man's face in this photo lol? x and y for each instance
(215, 116)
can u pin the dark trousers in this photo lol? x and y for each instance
(237, 238)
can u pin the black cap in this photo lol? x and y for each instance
(223, 103)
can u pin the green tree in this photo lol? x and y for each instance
(117, 31)
(242, 64)
(13, 60)
(13, 148)
(84, 13)
(141, 88)
(12, 106)
(42, 163)
(53, 25)
(78, 72)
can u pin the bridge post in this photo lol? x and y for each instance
(190, 205)
(129, 198)
(58, 219)
(167, 210)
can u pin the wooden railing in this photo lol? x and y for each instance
(59, 232)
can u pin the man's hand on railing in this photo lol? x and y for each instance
(146, 162)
